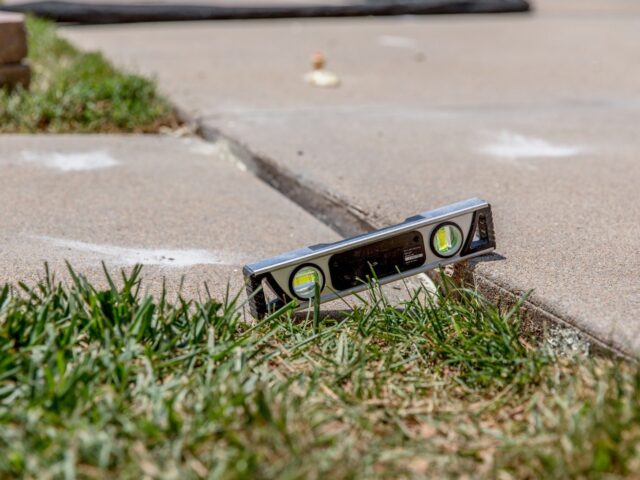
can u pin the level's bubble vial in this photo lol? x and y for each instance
(447, 240)
(304, 281)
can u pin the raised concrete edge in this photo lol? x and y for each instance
(536, 317)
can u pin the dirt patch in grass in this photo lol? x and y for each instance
(73, 91)
(97, 383)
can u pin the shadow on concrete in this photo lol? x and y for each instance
(108, 13)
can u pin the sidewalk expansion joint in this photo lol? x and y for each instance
(348, 220)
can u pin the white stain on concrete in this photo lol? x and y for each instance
(395, 41)
(71, 162)
(162, 257)
(220, 149)
(200, 147)
(512, 146)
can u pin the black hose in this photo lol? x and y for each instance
(86, 13)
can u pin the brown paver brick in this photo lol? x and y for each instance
(13, 38)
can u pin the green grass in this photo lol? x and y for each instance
(101, 383)
(79, 92)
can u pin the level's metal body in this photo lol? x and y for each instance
(473, 217)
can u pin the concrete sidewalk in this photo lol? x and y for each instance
(537, 114)
(178, 206)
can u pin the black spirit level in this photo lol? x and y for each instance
(420, 243)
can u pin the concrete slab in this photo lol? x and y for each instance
(179, 206)
(13, 38)
(537, 114)
(564, 184)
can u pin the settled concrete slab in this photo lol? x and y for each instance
(15, 74)
(538, 114)
(13, 38)
(177, 206)
(563, 182)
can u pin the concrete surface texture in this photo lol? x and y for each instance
(536, 113)
(178, 206)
